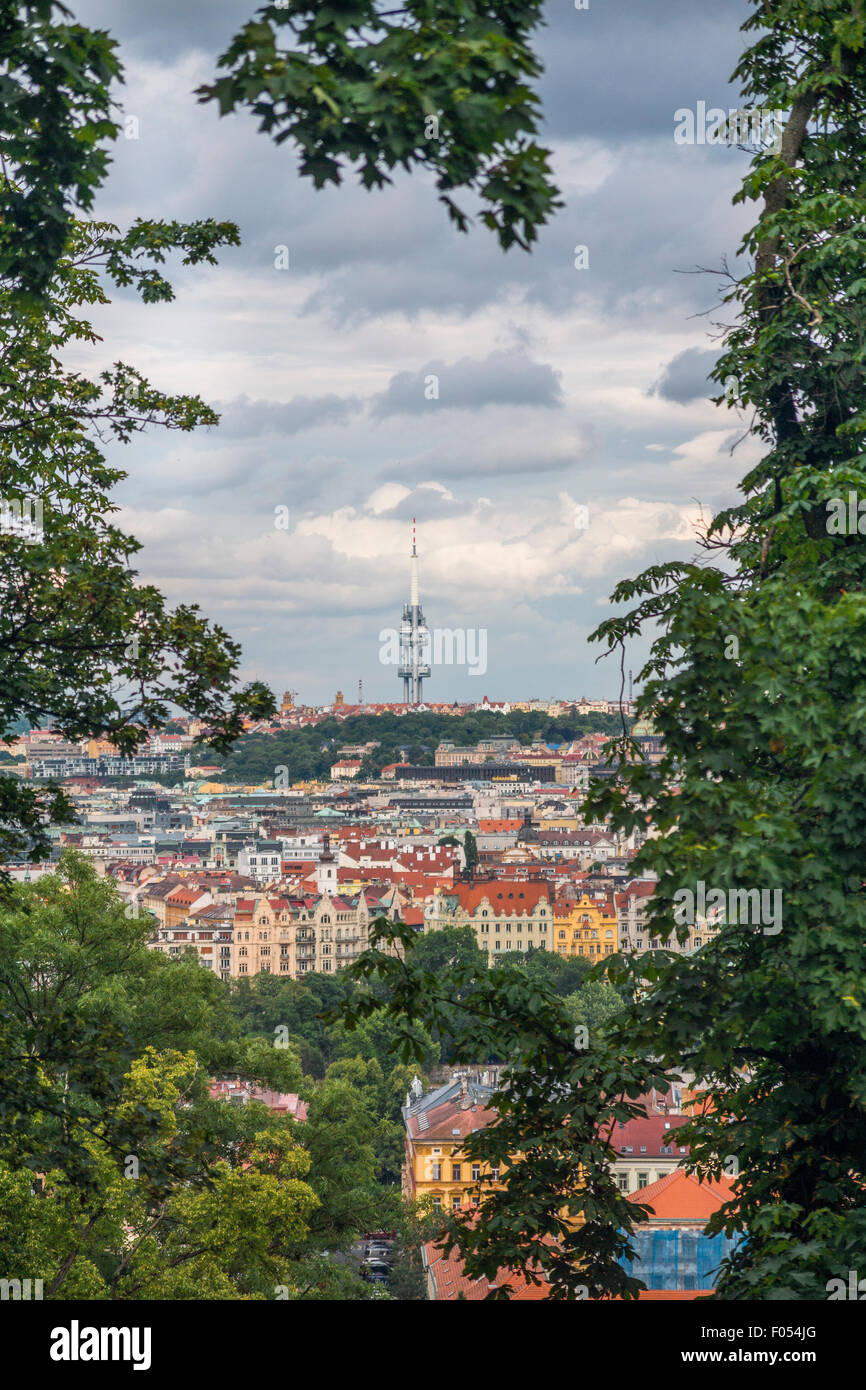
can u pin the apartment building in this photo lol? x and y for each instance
(585, 926)
(506, 914)
(298, 933)
(583, 845)
(635, 936)
(261, 860)
(207, 930)
(437, 1124)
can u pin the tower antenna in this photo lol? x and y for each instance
(414, 667)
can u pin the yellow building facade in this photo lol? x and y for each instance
(586, 928)
(437, 1125)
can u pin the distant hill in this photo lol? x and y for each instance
(311, 752)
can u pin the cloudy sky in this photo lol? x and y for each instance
(560, 389)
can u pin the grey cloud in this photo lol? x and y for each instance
(462, 464)
(684, 379)
(503, 378)
(164, 26)
(357, 254)
(425, 504)
(629, 57)
(243, 417)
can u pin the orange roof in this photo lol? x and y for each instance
(680, 1196)
(184, 894)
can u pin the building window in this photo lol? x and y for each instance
(622, 1181)
(437, 1172)
(642, 1179)
(455, 1172)
(476, 1172)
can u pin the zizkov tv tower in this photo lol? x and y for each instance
(414, 665)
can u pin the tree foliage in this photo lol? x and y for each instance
(56, 113)
(120, 1176)
(442, 87)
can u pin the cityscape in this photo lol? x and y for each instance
(431, 757)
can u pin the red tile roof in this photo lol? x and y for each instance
(506, 896)
(451, 1282)
(638, 888)
(652, 1132)
(445, 1119)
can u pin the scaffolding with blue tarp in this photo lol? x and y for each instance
(677, 1259)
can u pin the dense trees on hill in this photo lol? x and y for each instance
(311, 751)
